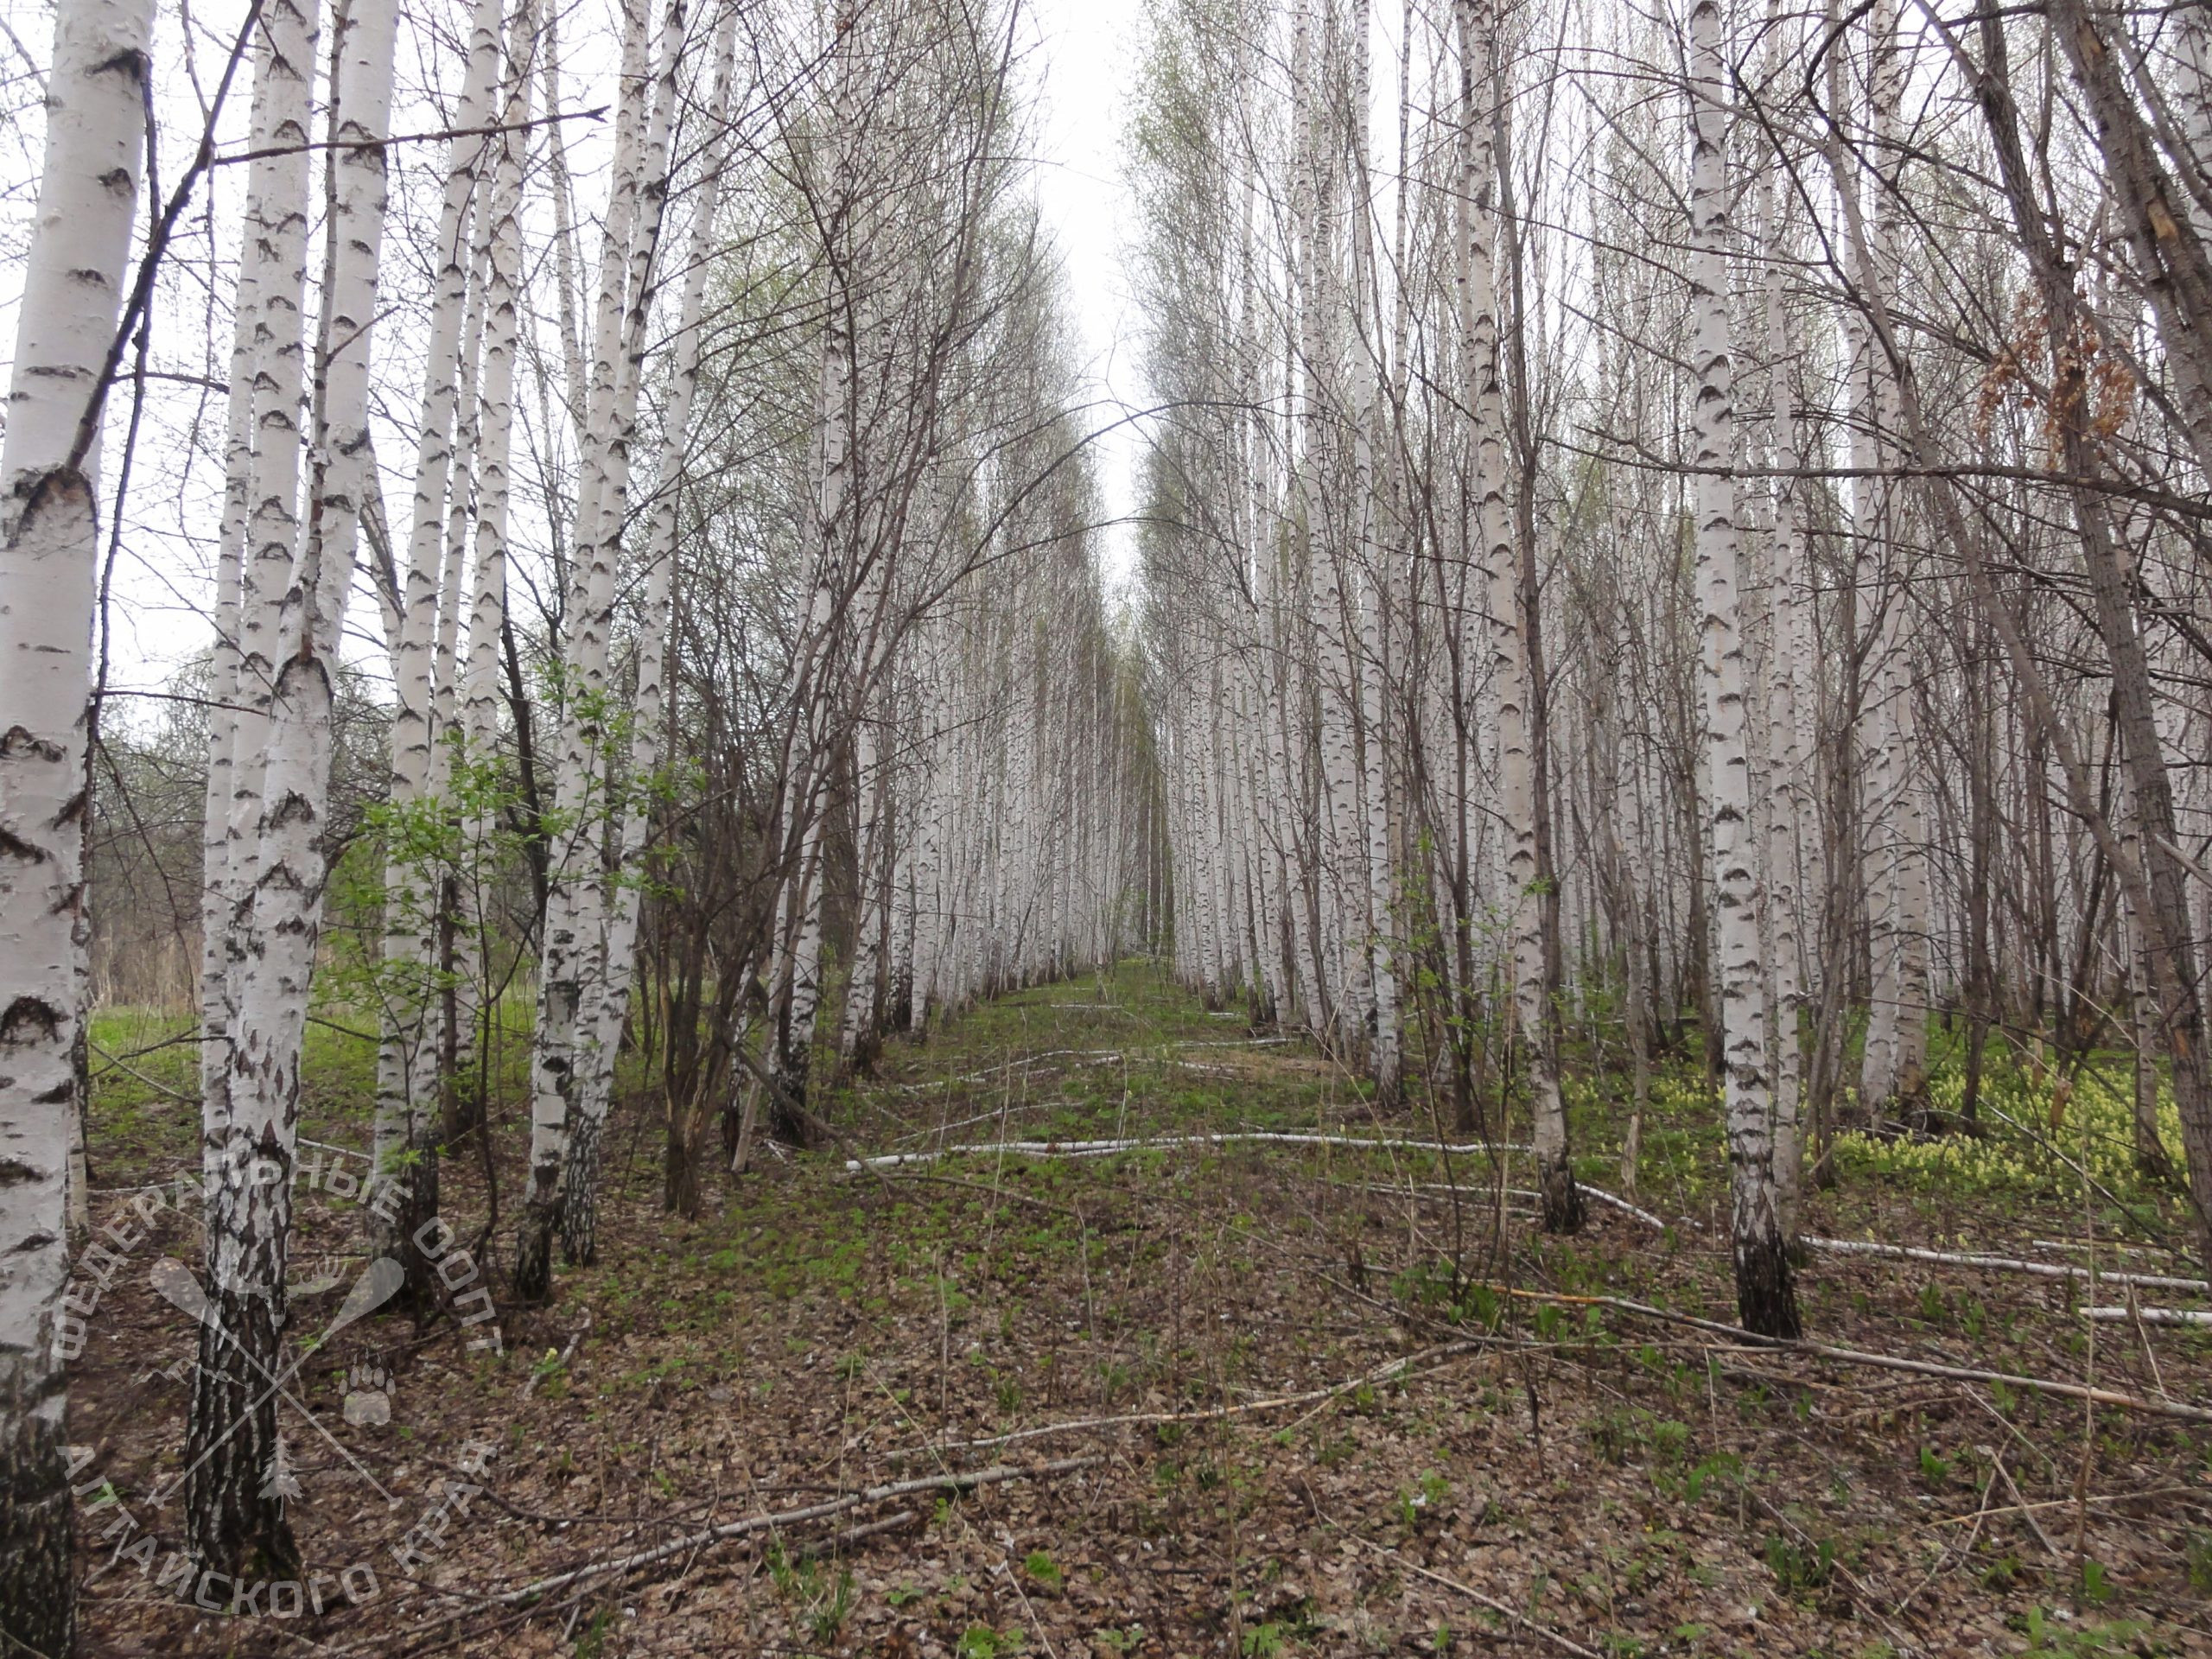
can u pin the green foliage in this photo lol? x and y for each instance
(2018, 1150)
(1798, 1568)
(1428, 1497)
(2197, 1551)
(1934, 1470)
(823, 1599)
(2096, 1584)
(591, 1641)
(552, 1376)
(2048, 1638)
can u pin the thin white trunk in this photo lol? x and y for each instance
(569, 938)
(1765, 1296)
(1374, 587)
(1562, 1206)
(1788, 688)
(489, 588)
(578, 1220)
(400, 1135)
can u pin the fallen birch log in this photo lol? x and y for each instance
(2001, 1264)
(2152, 1315)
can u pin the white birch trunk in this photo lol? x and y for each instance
(1560, 1207)
(489, 586)
(568, 937)
(73, 284)
(1765, 1294)
(234, 1508)
(401, 1142)
(1383, 1061)
(579, 1217)
(1788, 689)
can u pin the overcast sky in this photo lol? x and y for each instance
(1089, 48)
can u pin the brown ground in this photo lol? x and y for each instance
(1545, 1477)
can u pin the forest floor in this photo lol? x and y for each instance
(1247, 1398)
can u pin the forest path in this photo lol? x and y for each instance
(1298, 1430)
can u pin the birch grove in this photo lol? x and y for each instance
(1663, 632)
(1611, 693)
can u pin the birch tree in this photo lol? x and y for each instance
(74, 292)
(569, 927)
(1765, 1294)
(234, 1507)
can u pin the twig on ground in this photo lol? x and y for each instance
(567, 1352)
(728, 1529)
(895, 1523)
(1492, 1602)
(1888, 1361)
(1395, 1369)
(2024, 1510)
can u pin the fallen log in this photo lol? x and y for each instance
(2000, 1264)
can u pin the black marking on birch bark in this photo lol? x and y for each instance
(30, 1020)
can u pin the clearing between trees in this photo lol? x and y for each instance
(1106, 1325)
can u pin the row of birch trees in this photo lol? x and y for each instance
(673, 466)
(1686, 531)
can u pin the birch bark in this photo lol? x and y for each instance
(565, 943)
(579, 1219)
(1560, 1204)
(599, 559)
(234, 1502)
(49, 550)
(1383, 1059)
(1765, 1293)
(401, 1144)
(489, 588)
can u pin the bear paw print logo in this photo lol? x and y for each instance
(368, 1395)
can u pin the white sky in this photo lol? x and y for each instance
(1089, 48)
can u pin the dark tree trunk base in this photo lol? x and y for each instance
(38, 1591)
(534, 1252)
(686, 1149)
(421, 1291)
(793, 1127)
(234, 1502)
(1560, 1208)
(1766, 1288)
(580, 1195)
